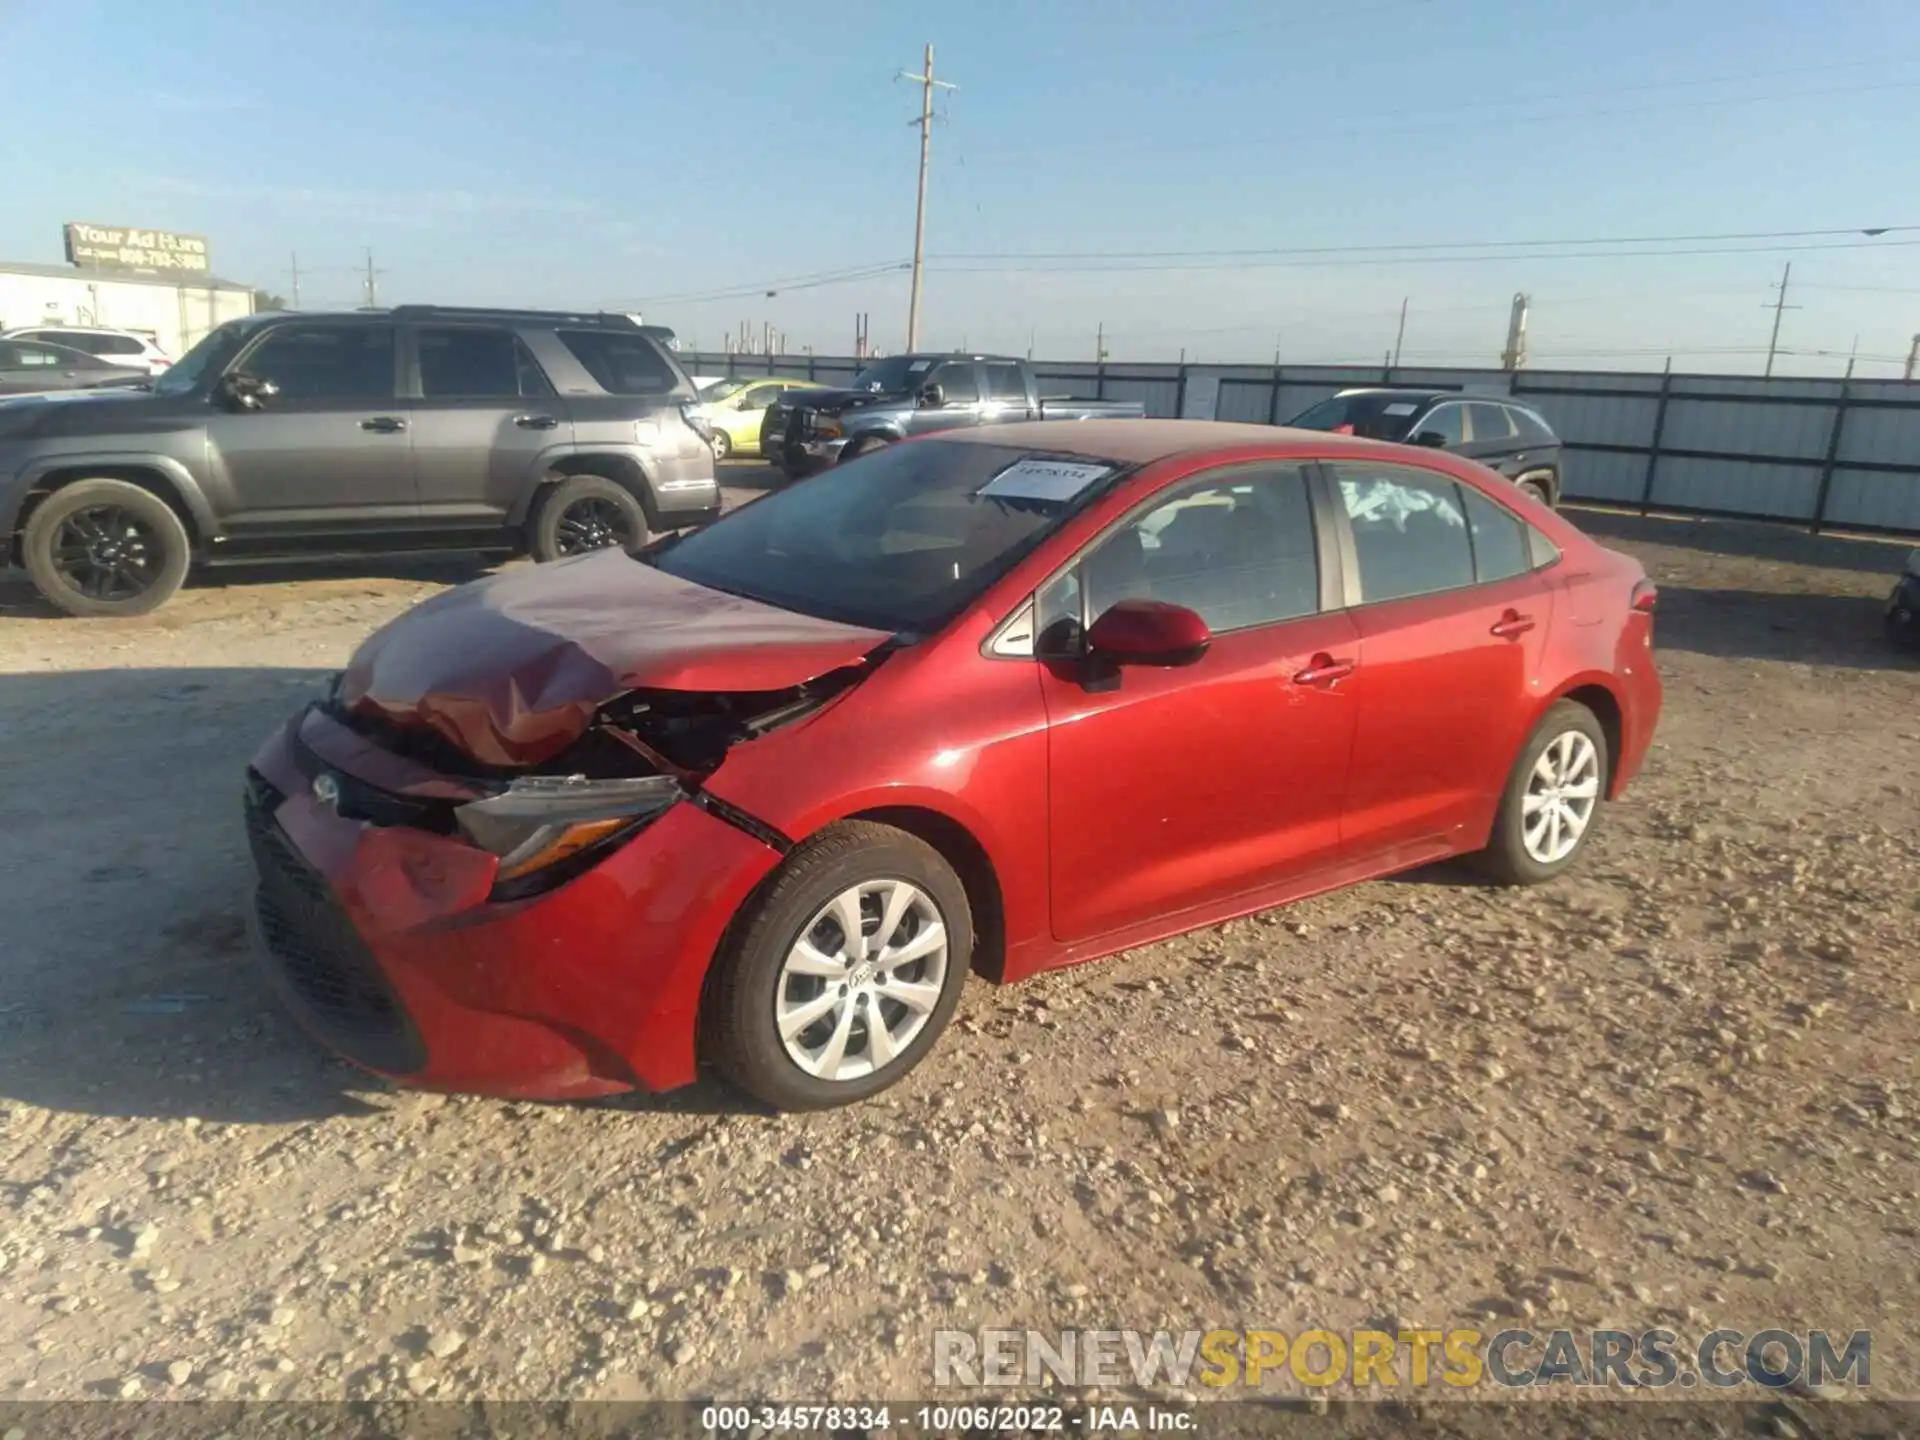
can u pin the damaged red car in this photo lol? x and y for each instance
(996, 701)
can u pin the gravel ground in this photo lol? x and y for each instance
(1676, 1088)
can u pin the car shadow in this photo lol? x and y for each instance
(754, 475)
(127, 983)
(1848, 631)
(20, 601)
(1746, 539)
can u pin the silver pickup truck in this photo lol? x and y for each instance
(904, 395)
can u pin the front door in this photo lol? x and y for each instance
(959, 382)
(1185, 785)
(331, 451)
(1452, 626)
(484, 416)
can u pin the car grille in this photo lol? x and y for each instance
(311, 945)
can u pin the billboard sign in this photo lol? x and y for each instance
(124, 247)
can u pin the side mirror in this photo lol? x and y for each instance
(1148, 632)
(247, 392)
(1431, 439)
(932, 397)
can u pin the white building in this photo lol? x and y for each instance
(173, 311)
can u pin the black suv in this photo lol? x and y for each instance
(422, 428)
(1499, 433)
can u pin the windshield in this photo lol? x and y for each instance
(896, 375)
(721, 389)
(216, 347)
(900, 540)
(1371, 416)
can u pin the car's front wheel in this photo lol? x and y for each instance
(1552, 800)
(583, 513)
(105, 547)
(842, 972)
(865, 445)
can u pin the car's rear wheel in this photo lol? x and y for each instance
(722, 444)
(841, 973)
(585, 513)
(106, 547)
(1552, 801)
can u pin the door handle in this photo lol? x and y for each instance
(383, 424)
(535, 422)
(1512, 625)
(1323, 669)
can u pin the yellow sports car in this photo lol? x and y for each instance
(734, 408)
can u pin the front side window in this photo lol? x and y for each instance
(476, 363)
(900, 542)
(958, 384)
(1237, 550)
(1409, 530)
(29, 357)
(326, 362)
(621, 364)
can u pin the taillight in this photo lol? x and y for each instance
(1645, 597)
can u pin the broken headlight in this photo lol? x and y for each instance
(547, 828)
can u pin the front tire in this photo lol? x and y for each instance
(1552, 802)
(840, 975)
(585, 513)
(106, 547)
(722, 444)
(865, 445)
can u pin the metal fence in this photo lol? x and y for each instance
(1824, 454)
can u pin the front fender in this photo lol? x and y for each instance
(167, 470)
(887, 427)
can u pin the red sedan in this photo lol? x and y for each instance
(1000, 700)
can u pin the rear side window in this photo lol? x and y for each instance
(1409, 531)
(621, 364)
(1489, 422)
(1533, 429)
(326, 362)
(1500, 548)
(116, 345)
(1004, 382)
(471, 362)
(1444, 421)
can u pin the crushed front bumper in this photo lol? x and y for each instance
(383, 942)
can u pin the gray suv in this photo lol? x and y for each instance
(418, 429)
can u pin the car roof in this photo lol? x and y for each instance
(1140, 442)
(74, 330)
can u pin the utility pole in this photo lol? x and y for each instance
(1515, 355)
(373, 292)
(1780, 306)
(927, 85)
(1913, 359)
(1401, 334)
(295, 273)
(1100, 344)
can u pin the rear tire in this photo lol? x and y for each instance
(1539, 490)
(106, 547)
(787, 987)
(1552, 802)
(584, 513)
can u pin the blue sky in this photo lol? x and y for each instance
(589, 152)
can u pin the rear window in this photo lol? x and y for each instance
(621, 364)
(1372, 417)
(115, 345)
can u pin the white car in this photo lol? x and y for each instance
(116, 347)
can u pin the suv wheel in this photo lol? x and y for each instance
(583, 513)
(106, 547)
(1538, 490)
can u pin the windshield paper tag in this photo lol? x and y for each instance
(1398, 409)
(1043, 480)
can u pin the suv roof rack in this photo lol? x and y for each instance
(505, 312)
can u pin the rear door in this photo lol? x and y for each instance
(1492, 438)
(1004, 393)
(1179, 786)
(1453, 625)
(332, 450)
(483, 413)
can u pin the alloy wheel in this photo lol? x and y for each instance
(1562, 790)
(592, 524)
(107, 553)
(862, 980)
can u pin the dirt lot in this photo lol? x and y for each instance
(1678, 1088)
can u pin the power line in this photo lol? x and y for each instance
(769, 287)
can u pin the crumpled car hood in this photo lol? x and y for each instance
(512, 669)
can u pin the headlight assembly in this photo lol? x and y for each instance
(826, 425)
(547, 828)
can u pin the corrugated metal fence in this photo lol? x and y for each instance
(1826, 454)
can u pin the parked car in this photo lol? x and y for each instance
(1501, 434)
(906, 395)
(125, 348)
(423, 428)
(28, 367)
(1903, 605)
(735, 408)
(1000, 700)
